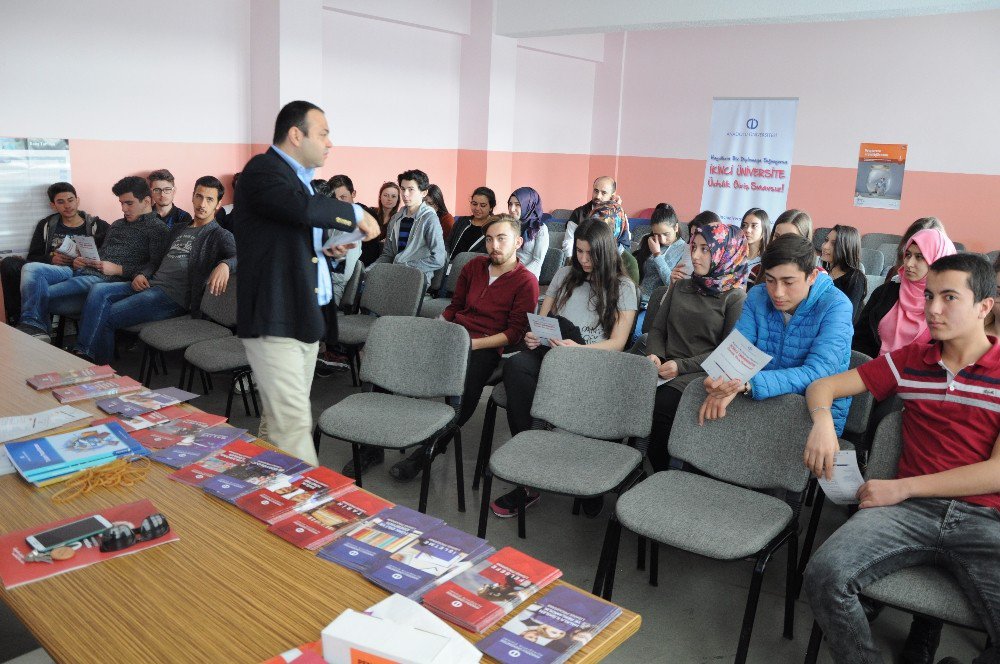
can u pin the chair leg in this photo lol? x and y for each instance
(147, 380)
(811, 488)
(485, 442)
(807, 544)
(640, 563)
(317, 435)
(184, 371)
(243, 390)
(815, 641)
(459, 470)
(425, 477)
(204, 382)
(353, 360)
(356, 451)
(522, 507)
(208, 377)
(654, 563)
(576, 506)
(253, 395)
(602, 559)
(791, 584)
(232, 391)
(612, 561)
(143, 361)
(163, 363)
(485, 502)
(190, 378)
(750, 613)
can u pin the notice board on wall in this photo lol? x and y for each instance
(27, 167)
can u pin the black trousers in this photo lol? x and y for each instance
(10, 277)
(664, 411)
(482, 364)
(520, 378)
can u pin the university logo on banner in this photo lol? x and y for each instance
(749, 156)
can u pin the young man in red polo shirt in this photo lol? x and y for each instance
(492, 299)
(944, 506)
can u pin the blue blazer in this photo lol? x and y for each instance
(816, 342)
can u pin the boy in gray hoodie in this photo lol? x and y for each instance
(414, 237)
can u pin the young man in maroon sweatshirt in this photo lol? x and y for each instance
(492, 299)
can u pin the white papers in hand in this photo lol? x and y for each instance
(545, 328)
(87, 247)
(338, 238)
(19, 426)
(663, 381)
(735, 359)
(847, 479)
(68, 247)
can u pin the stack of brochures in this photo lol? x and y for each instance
(296, 493)
(219, 461)
(101, 388)
(550, 630)
(384, 533)
(480, 597)
(180, 430)
(55, 379)
(317, 526)
(268, 466)
(146, 420)
(203, 443)
(51, 459)
(139, 403)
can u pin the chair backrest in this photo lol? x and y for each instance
(560, 213)
(655, 300)
(221, 308)
(581, 390)
(959, 246)
(873, 260)
(556, 238)
(875, 240)
(349, 300)
(745, 447)
(393, 290)
(874, 281)
(888, 252)
(416, 357)
(992, 256)
(819, 237)
(457, 264)
(886, 448)
(861, 405)
(554, 259)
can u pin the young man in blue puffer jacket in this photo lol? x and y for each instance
(799, 318)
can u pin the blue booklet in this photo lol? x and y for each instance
(62, 454)
(551, 630)
(387, 532)
(192, 450)
(430, 559)
(253, 474)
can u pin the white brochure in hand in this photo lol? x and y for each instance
(847, 479)
(545, 328)
(735, 359)
(338, 238)
(87, 247)
(68, 247)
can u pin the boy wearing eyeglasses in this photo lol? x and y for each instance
(161, 181)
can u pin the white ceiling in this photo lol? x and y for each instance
(538, 18)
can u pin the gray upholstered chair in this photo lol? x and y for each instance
(349, 299)
(390, 290)
(874, 281)
(400, 414)
(218, 320)
(926, 590)
(582, 455)
(992, 256)
(655, 300)
(873, 260)
(561, 214)
(434, 307)
(889, 254)
(723, 510)
(219, 356)
(554, 259)
(875, 240)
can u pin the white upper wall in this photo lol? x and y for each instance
(554, 103)
(105, 70)
(446, 15)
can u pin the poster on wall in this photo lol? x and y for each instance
(749, 156)
(880, 176)
(27, 167)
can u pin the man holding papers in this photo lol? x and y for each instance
(800, 319)
(492, 299)
(944, 506)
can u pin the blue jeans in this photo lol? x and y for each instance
(115, 305)
(46, 286)
(959, 536)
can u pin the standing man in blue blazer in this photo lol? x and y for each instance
(285, 272)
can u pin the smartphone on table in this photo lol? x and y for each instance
(68, 533)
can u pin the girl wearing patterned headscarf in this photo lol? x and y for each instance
(694, 318)
(611, 213)
(525, 204)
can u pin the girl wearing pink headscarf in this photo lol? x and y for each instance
(894, 315)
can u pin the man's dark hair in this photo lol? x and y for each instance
(292, 114)
(981, 277)
(210, 181)
(338, 181)
(57, 188)
(789, 248)
(133, 184)
(488, 194)
(321, 186)
(417, 176)
(161, 174)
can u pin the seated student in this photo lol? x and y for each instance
(683, 268)
(696, 315)
(800, 319)
(942, 508)
(604, 191)
(793, 221)
(918, 225)
(611, 213)
(128, 249)
(414, 235)
(993, 320)
(596, 303)
(388, 205)
(493, 297)
(894, 314)
(467, 234)
(161, 183)
(658, 254)
(757, 227)
(526, 205)
(841, 255)
(67, 220)
(197, 256)
(436, 200)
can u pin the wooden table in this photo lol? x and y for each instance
(228, 591)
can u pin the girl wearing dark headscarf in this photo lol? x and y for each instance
(696, 315)
(525, 204)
